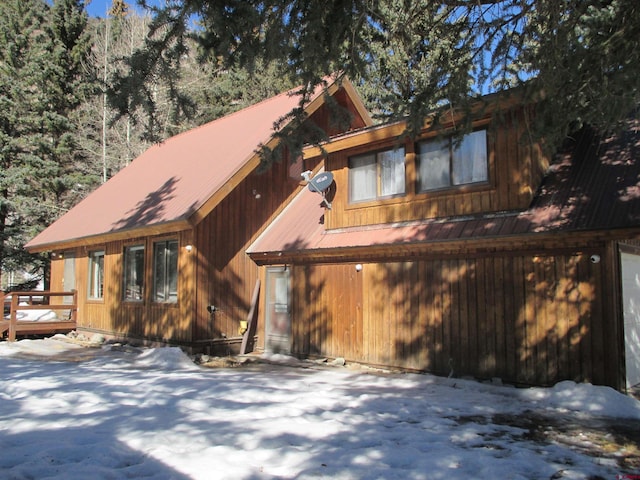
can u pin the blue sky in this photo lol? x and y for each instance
(99, 8)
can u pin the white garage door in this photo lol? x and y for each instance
(631, 299)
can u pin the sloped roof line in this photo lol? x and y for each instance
(291, 207)
(594, 189)
(173, 181)
(241, 111)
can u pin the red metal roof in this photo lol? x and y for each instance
(596, 187)
(171, 180)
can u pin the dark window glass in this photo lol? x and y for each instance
(165, 271)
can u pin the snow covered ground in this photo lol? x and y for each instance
(115, 413)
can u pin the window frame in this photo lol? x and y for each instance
(453, 148)
(378, 158)
(128, 269)
(95, 275)
(169, 297)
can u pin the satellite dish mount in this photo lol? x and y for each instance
(319, 184)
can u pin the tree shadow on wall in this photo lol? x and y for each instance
(531, 314)
(524, 318)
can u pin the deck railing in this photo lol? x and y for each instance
(37, 300)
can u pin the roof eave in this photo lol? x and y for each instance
(103, 238)
(526, 241)
(482, 113)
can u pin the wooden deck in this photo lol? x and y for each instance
(65, 320)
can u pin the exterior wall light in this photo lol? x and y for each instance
(188, 248)
(358, 267)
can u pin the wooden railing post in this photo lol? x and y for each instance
(13, 318)
(74, 310)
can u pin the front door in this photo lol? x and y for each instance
(631, 298)
(278, 322)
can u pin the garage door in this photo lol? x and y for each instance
(631, 298)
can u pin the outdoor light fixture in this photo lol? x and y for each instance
(188, 248)
(358, 267)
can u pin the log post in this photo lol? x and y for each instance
(247, 339)
(13, 318)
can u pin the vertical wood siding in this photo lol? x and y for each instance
(515, 170)
(226, 276)
(216, 272)
(330, 301)
(524, 318)
(148, 319)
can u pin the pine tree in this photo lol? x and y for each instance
(41, 84)
(577, 58)
(75, 85)
(23, 46)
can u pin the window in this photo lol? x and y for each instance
(96, 275)
(134, 273)
(376, 175)
(165, 271)
(442, 163)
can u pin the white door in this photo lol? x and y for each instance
(631, 298)
(278, 324)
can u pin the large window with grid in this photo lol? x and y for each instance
(165, 271)
(444, 163)
(376, 175)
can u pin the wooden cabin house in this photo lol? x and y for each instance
(157, 253)
(478, 258)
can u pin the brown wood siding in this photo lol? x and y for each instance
(515, 171)
(225, 275)
(525, 318)
(216, 272)
(114, 316)
(56, 275)
(330, 301)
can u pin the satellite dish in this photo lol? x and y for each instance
(320, 183)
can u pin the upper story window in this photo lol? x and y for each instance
(376, 175)
(165, 271)
(96, 275)
(133, 278)
(443, 163)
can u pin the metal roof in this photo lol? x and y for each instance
(594, 187)
(170, 181)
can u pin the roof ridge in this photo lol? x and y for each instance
(288, 93)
